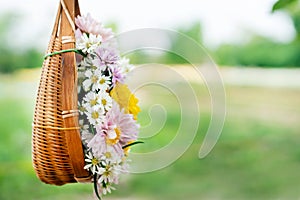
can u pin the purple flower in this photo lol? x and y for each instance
(117, 75)
(105, 56)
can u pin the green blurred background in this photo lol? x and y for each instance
(256, 157)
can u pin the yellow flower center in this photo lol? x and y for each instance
(104, 102)
(107, 171)
(95, 161)
(93, 102)
(116, 139)
(81, 108)
(95, 115)
(94, 79)
(108, 155)
(88, 44)
(102, 81)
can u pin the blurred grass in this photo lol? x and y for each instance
(256, 157)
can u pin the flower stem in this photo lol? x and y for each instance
(92, 129)
(96, 187)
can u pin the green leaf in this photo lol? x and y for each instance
(281, 4)
(131, 144)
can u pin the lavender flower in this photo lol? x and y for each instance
(106, 56)
(117, 75)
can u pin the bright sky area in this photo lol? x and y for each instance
(222, 21)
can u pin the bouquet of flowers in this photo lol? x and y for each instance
(108, 110)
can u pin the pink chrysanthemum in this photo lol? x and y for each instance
(98, 144)
(120, 127)
(88, 24)
(103, 150)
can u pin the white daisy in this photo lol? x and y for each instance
(83, 126)
(124, 166)
(81, 108)
(95, 115)
(103, 83)
(80, 79)
(125, 65)
(92, 99)
(107, 189)
(86, 135)
(112, 154)
(105, 100)
(88, 43)
(87, 63)
(93, 164)
(92, 80)
(110, 174)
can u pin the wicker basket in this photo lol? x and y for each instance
(57, 150)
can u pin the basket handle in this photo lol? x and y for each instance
(56, 23)
(69, 89)
(62, 5)
(70, 16)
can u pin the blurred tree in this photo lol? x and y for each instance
(262, 51)
(292, 8)
(259, 51)
(6, 22)
(179, 45)
(11, 58)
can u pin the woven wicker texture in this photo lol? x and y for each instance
(55, 158)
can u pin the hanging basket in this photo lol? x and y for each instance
(57, 151)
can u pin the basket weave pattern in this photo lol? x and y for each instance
(57, 151)
(51, 159)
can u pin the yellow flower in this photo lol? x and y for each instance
(122, 95)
